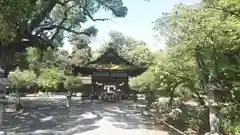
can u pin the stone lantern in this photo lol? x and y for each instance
(3, 83)
(3, 86)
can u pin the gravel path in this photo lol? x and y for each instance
(41, 117)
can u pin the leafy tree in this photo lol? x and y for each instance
(33, 57)
(205, 39)
(50, 79)
(44, 23)
(72, 82)
(123, 44)
(143, 82)
(141, 56)
(134, 51)
(62, 60)
(21, 79)
(81, 53)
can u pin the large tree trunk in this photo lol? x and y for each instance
(171, 94)
(208, 78)
(3, 59)
(7, 54)
(151, 98)
(214, 120)
(213, 95)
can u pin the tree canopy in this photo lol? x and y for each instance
(37, 20)
(44, 24)
(136, 52)
(202, 55)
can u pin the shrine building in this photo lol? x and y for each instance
(109, 69)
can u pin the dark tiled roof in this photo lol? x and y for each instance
(115, 57)
(110, 55)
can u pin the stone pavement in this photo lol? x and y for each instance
(53, 118)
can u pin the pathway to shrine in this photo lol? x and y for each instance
(53, 118)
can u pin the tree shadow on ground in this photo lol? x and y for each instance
(128, 117)
(49, 118)
(124, 117)
(53, 118)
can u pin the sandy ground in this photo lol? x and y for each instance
(51, 117)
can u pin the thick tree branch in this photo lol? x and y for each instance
(60, 27)
(63, 3)
(42, 15)
(43, 27)
(75, 32)
(105, 5)
(87, 13)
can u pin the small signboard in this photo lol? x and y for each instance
(119, 74)
(86, 79)
(101, 74)
(109, 74)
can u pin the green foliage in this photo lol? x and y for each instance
(44, 24)
(202, 51)
(31, 19)
(141, 56)
(136, 52)
(12, 14)
(143, 82)
(237, 130)
(45, 70)
(71, 82)
(80, 56)
(33, 57)
(20, 79)
(50, 78)
(81, 53)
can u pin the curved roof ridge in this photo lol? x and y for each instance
(114, 51)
